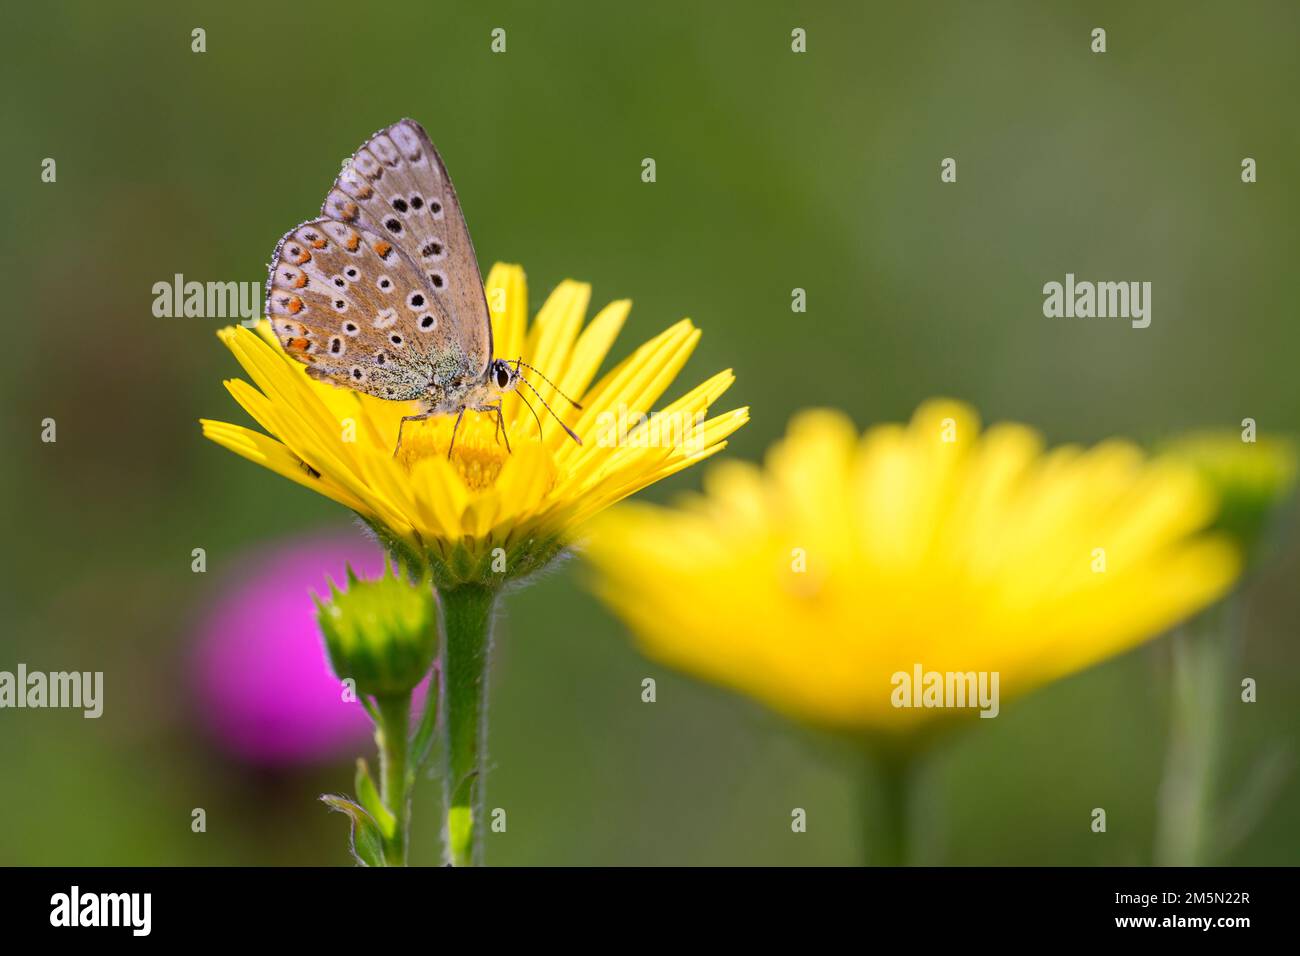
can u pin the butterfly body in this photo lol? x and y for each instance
(382, 293)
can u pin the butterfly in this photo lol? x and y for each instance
(382, 292)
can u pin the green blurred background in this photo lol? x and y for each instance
(775, 171)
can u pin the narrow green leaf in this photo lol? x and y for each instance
(1263, 782)
(370, 799)
(422, 742)
(365, 839)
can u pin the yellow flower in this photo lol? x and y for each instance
(453, 514)
(811, 583)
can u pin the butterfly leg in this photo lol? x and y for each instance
(501, 426)
(402, 423)
(500, 431)
(455, 428)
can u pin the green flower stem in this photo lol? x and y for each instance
(395, 781)
(1202, 652)
(466, 655)
(886, 806)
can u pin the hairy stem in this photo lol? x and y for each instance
(1202, 651)
(886, 806)
(394, 779)
(466, 614)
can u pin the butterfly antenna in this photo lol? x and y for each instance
(570, 431)
(524, 399)
(519, 362)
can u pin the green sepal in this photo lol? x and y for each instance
(1254, 480)
(365, 840)
(459, 565)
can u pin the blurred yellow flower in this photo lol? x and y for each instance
(453, 514)
(847, 560)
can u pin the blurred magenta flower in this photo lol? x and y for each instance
(265, 690)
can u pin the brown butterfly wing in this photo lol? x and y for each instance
(396, 186)
(353, 307)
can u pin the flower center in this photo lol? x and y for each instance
(478, 454)
(478, 467)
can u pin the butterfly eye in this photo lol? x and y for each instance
(503, 376)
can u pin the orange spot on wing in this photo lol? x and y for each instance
(301, 281)
(305, 257)
(383, 248)
(295, 304)
(298, 345)
(354, 242)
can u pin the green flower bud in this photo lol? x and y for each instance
(383, 634)
(1254, 481)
